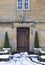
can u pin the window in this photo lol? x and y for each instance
(19, 4)
(23, 4)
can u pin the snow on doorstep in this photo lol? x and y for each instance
(7, 63)
(4, 56)
(43, 52)
(33, 55)
(37, 61)
(4, 51)
(42, 56)
(19, 59)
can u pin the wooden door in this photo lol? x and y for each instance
(23, 39)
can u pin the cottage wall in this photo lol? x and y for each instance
(9, 13)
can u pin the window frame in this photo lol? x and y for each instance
(23, 5)
(28, 4)
(18, 5)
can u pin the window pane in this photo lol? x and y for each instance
(19, 4)
(26, 7)
(19, 0)
(19, 7)
(26, 4)
(26, 1)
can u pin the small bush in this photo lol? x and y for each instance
(6, 43)
(36, 41)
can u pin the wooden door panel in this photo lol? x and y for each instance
(22, 39)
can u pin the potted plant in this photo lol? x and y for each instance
(6, 43)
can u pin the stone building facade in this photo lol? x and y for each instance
(16, 22)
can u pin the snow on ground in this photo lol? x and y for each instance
(34, 59)
(22, 58)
